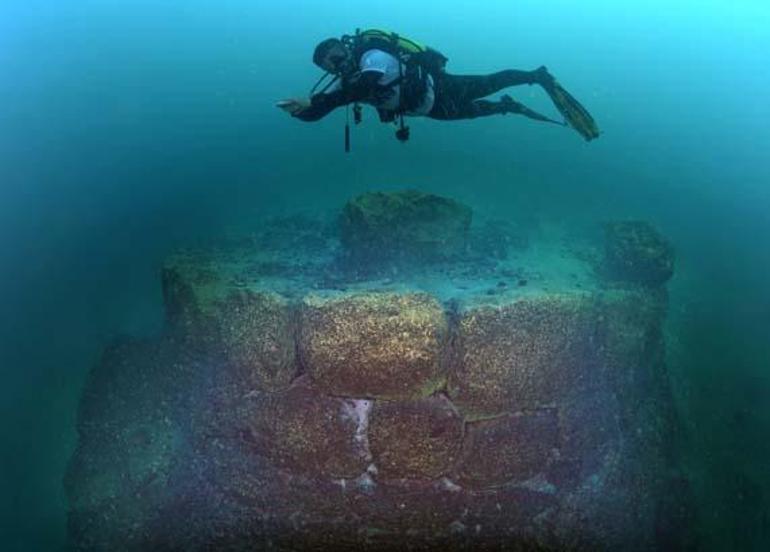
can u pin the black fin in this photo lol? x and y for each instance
(573, 111)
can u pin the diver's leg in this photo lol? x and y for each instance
(459, 96)
(455, 111)
(449, 111)
(474, 87)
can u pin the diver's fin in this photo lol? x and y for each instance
(512, 106)
(573, 112)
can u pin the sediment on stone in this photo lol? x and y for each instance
(494, 398)
(374, 345)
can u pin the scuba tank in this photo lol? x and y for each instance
(417, 63)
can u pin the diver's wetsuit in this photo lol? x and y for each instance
(456, 96)
(459, 96)
(361, 87)
(451, 97)
(443, 96)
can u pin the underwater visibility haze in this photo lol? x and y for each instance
(162, 223)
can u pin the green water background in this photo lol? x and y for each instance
(128, 128)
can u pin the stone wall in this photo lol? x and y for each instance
(381, 419)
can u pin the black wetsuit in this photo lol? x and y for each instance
(456, 96)
(359, 88)
(460, 96)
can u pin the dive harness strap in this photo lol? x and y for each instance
(327, 86)
(402, 134)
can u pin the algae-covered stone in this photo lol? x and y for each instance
(630, 330)
(307, 432)
(509, 449)
(630, 327)
(414, 439)
(589, 438)
(253, 327)
(537, 416)
(379, 228)
(635, 252)
(129, 443)
(377, 345)
(525, 353)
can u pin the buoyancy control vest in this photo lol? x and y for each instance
(416, 63)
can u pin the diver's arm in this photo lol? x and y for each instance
(320, 106)
(356, 89)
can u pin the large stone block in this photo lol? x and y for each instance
(635, 252)
(415, 439)
(374, 345)
(511, 449)
(253, 327)
(130, 441)
(307, 432)
(408, 228)
(630, 335)
(525, 353)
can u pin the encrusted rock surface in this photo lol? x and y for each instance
(380, 230)
(514, 404)
(379, 345)
(522, 353)
(415, 439)
(305, 432)
(635, 252)
(513, 448)
(130, 442)
(253, 327)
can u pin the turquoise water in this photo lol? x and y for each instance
(130, 128)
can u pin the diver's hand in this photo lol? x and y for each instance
(293, 106)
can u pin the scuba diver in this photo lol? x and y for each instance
(400, 77)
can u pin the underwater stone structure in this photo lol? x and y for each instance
(385, 231)
(636, 252)
(517, 404)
